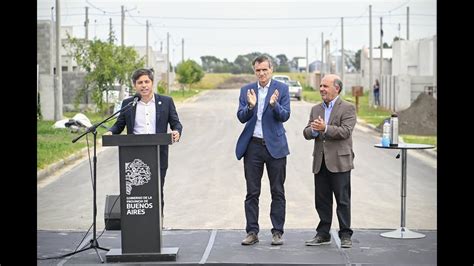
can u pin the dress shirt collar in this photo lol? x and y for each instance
(331, 103)
(151, 101)
(266, 86)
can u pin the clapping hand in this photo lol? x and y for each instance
(251, 98)
(318, 124)
(274, 98)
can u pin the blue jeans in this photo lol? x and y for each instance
(377, 97)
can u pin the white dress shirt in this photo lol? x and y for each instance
(145, 117)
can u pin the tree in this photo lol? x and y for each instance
(209, 63)
(357, 59)
(396, 38)
(282, 63)
(105, 64)
(189, 72)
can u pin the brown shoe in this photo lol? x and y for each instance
(251, 239)
(276, 239)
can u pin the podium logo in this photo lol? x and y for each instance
(137, 173)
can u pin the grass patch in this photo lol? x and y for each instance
(211, 81)
(369, 114)
(54, 144)
(208, 82)
(311, 96)
(181, 95)
(430, 140)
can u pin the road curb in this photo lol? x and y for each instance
(71, 159)
(430, 152)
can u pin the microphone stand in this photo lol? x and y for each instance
(93, 243)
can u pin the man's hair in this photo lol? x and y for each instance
(338, 83)
(140, 72)
(262, 58)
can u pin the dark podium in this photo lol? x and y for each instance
(140, 198)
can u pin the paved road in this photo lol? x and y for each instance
(205, 186)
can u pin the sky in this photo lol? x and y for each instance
(226, 29)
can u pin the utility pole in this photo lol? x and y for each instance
(322, 54)
(408, 23)
(381, 51)
(86, 23)
(342, 56)
(147, 27)
(307, 62)
(123, 27)
(168, 62)
(111, 39)
(58, 88)
(370, 89)
(122, 41)
(399, 36)
(328, 57)
(182, 50)
(51, 41)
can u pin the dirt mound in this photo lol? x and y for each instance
(237, 81)
(420, 118)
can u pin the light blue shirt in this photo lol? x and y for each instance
(327, 115)
(262, 94)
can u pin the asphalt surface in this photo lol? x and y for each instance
(198, 247)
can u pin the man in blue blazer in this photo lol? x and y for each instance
(150, 115)
(263, 107)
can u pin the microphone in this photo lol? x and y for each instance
(136, 98)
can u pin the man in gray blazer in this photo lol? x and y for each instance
(330, 125)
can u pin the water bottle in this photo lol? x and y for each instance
(394, 130)
(386, 134)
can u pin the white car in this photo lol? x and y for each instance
(295, 89)
(282, 78)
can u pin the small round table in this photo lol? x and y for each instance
(404, 232)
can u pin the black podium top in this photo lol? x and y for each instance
(406, 146)
(137, 140)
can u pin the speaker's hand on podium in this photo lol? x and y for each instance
(107, 133)
(176, 135)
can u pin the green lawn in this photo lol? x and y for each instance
(54, 144)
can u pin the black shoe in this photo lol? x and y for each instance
(251, 239)
(346, 242)
(318, 240)
(276, 239)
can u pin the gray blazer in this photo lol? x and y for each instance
(336, 143)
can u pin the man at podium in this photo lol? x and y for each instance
(150, 115)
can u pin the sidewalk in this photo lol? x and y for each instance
(197, 247)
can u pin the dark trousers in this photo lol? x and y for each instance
(162, 182)
(254, 159)
(326, 183)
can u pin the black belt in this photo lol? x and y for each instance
(258, 140)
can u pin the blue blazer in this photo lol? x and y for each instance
(165, 113)
(272, 120)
